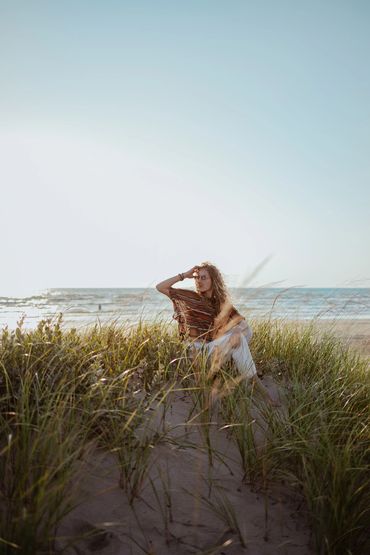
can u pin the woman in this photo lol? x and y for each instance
(207, 318)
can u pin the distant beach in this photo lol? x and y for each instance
(355, 333)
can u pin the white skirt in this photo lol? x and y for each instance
(240, 354)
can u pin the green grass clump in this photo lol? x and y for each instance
(64, 393)
(321, 442)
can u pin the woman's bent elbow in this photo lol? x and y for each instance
(163, 290)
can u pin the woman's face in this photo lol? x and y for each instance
(203, 280)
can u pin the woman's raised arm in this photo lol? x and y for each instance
(164, 286)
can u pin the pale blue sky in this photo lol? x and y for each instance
(139, 138)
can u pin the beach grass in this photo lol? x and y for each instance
(64, 394)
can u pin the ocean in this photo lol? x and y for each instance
(81, 307)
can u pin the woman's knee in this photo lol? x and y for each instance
(248, 333)
(235, 339)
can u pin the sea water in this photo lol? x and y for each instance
(81, 307)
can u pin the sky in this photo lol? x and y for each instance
(139, 138)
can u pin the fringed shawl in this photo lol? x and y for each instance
(197, 316)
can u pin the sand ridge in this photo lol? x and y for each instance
(181, 505)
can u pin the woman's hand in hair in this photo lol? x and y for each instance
(189, 273)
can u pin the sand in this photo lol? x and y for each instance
(354, 333)
(272, 521)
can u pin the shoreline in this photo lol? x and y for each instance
(354, 332)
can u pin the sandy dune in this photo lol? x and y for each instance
(173, 514)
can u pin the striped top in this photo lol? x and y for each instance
(196, 315)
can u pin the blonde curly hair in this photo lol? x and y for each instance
(220, 294)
